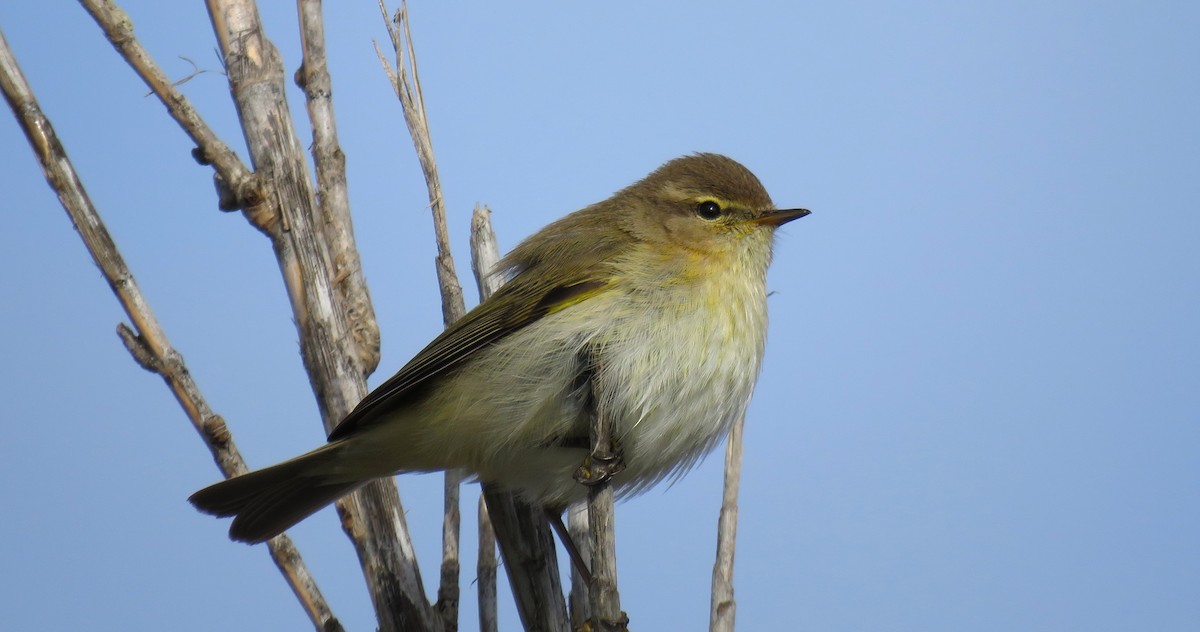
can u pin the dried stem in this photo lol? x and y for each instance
(332, 197)
(484, 255)
(149, 344)
(527, 547)
(485, 571)
(372, 516)
(723, 608)
(577, 527)
(522, 532)
(448, 588)
(407, 85)
(604, 599)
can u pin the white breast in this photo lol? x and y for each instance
(678, 383)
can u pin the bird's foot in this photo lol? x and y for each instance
(599, 467)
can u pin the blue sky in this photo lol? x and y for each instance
(978, 409)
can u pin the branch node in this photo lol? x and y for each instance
(138, 349)
(300, 78)
(216, 430)
(201, 157)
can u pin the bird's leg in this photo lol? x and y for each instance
(564, 536)
(600, 466)
(605, 460)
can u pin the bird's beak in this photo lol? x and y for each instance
(778, 218)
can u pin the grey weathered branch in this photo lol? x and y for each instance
(604, 459)
(485, 253)
(372, 516)
(521, 529)
(723, 608)
(580, 600)
(485, 571)
(147, 342)
(527, 547)
(333, 199)
(407, 85)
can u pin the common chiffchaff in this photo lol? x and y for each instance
(650, 306)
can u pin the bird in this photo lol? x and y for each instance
(649, 307)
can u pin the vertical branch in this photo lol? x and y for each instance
(149, 345)
(372, 516)
(580, 601)
(485, 253)
(597, 472)
(527, 547)
(448, 588)
(407, 85)
(485, 571)
(723, 608)
(333, 200)
(522, 533)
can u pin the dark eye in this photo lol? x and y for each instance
(708, 210)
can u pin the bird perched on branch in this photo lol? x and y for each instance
(648, 307)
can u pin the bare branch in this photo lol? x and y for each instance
(527, 547)
(118, 28)
(603, 461)
(332, 197)
(723, 608)
(150, 348)
(372, 516)
(523, 534)
(407, 85)
(485, 571)
(448, 588)
(484, 255)
(577, 527)
(408, 89)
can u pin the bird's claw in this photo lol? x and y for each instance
(599, 467)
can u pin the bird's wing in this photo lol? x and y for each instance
(515, 305)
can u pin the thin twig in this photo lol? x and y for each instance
(723, 608)
(408, 90)
(196, 72)
(407, 86)
(236, 177)
(149, 344)
(485, 571)
(485, 253)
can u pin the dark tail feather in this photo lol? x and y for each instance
(269, 501)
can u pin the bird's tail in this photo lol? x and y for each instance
(269, 501)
